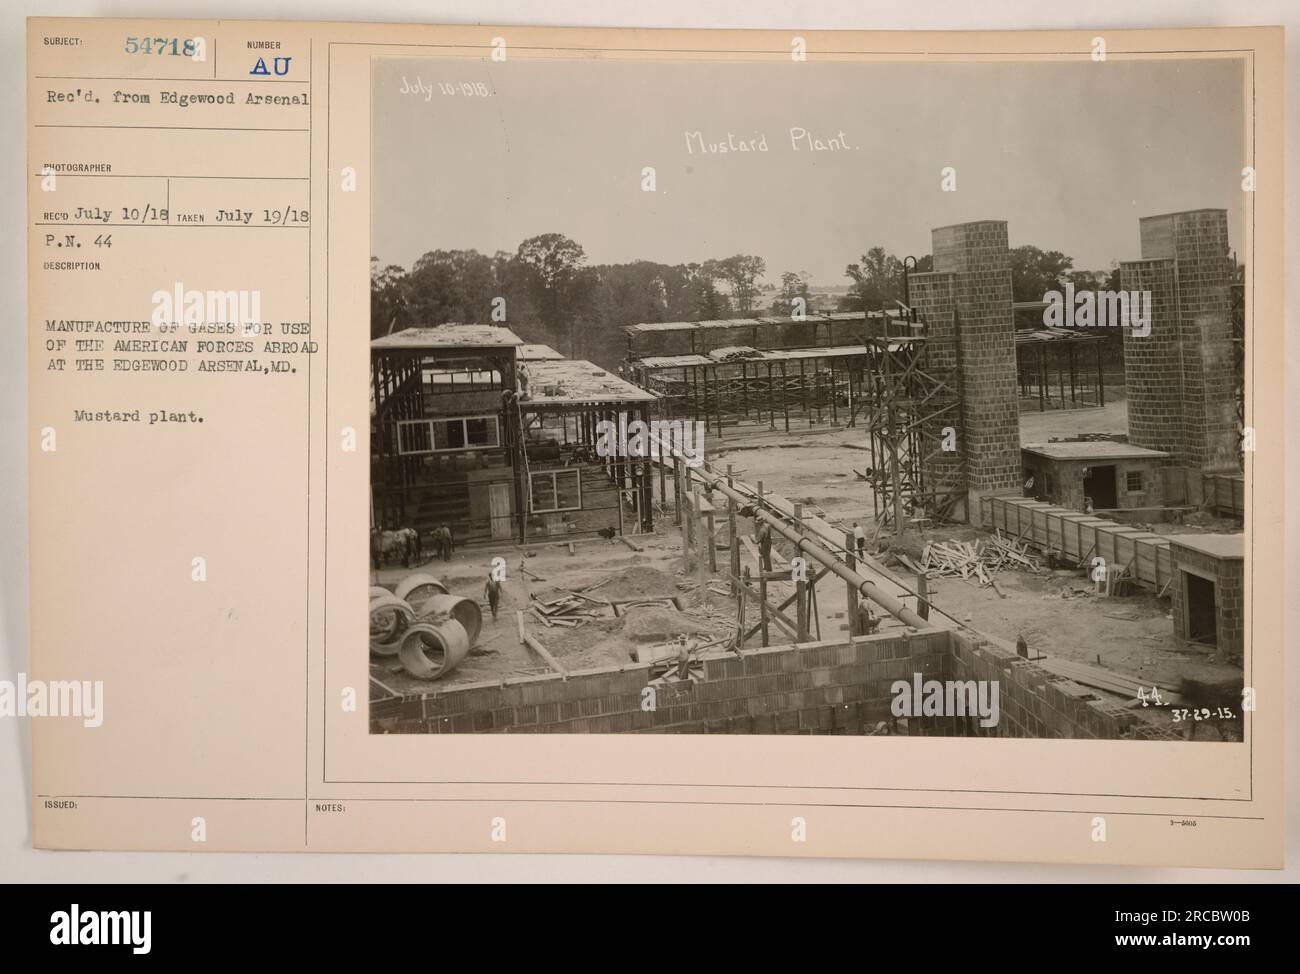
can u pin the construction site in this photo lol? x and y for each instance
(801, 512)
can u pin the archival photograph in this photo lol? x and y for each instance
(772, 397)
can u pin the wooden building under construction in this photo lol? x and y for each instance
(473, 429)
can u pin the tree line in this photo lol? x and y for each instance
(547, 292)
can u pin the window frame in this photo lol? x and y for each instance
(431, 422)
(533, 476)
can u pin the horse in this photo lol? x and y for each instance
(403, 543)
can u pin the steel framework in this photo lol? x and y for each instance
(912, 408)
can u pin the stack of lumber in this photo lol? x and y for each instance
(961, 559)
(568, 611)
(999, 552)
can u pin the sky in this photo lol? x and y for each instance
(1069, 154)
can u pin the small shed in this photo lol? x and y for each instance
(1114, 476)
(1207, 590)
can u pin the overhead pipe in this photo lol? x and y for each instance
(864, 586)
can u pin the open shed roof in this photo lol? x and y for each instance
(534, 353)
(573, 382)
(450, 335)
(812, 318)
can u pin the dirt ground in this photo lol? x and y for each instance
(1131, 635)
(1054, 611)
(549, 571)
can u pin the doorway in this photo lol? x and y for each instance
(1202, 625)
(499, 506)
(1099, 485)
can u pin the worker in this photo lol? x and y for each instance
(1022, 647)
(522, 373)
(765, 546)
(859, 539)
(493, 592)
(443, 539)
(868, 622)
(685, 647)
(1087, 505)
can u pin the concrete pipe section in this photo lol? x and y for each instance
(463, 610)
(429, 651)
(417, 589)
(389, 619)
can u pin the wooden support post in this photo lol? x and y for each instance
(803, 391)
(762, 603)
(817, 388)
(647, 494)
(813, 612)
(923, 595)
(689, 519)
(708, 539)
(853, 409)
(677, 490)
(740, 628)
(744, 389)
(618, 495)
(663, 473)
(785, 406)
(717, 400)
(702, 395)
(801, 609)
(701, 540)
(835, 394)
(851, 595)
(733, 538)
(1042, 378)
(1101, 381)
(767, 397)
(1073, 400)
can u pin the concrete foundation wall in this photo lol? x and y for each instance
(819, 688)
(1035, 703)
(811, 689)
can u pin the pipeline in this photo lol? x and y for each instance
(806, 545)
